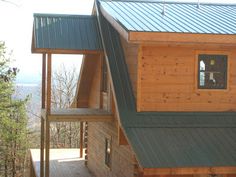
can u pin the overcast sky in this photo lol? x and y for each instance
(16, 20)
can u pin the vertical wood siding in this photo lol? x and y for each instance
(167, 80)
(94, 96)
(131, 57)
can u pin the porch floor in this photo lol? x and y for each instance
(63, 163)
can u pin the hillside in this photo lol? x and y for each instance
(34, 104)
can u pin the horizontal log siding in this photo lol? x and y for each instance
(121, 165)
(122, 156)
(167, 80)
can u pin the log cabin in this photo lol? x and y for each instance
(157, 87)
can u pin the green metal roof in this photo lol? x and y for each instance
(65, 33)
(164, 139)
(184, 147)
(148, 16)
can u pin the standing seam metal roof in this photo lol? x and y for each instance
(179, 17)
(167, 140)
(67, 32)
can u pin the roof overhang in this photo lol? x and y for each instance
(181, 38)
(66, 34)
(169, 37)
(65, 51)
(189, 171)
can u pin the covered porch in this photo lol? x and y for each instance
(64, 34)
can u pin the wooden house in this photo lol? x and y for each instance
(157, 88)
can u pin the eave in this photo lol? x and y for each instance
(65, 51)
(189, 171)
(169, 37)
(182, 38)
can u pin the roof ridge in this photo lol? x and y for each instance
(175, 2)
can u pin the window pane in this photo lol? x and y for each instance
(108, 152)
(212, 71)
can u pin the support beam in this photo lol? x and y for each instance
(48, 111)
(47, 151)
(49, 80)
(42, 118)
(42, 147)
(43, 80)
(81, 138)
(78, 114)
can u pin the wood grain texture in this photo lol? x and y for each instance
(87, 73)
(48, 111)
(167, 80)
(64, 163)
(187, 38)
(121, 137)
(43, 106)
(79, 114)
(121, 162)
(190, 171)
(94, 99)
(131, 58)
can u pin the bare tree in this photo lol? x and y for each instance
(63, 92)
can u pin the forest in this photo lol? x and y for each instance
(20, 117)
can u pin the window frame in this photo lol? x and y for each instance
(197, 73)
(108, 157)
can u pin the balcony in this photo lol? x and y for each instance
(78, 114)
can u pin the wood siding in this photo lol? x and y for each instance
(167, 80)
(94, 96)
(131, 57)
(208, 175)
(86, 79)
(121, 157)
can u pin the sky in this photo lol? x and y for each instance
(16, 22)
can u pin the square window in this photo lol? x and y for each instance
(212, 71)
(108, 152)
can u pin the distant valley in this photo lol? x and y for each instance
(23, 90)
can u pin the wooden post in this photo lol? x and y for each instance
(48, 111)
(32, 169)
(81, 139)
(49, 75)
(42, 119)
(42, 147)
(43, 80)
